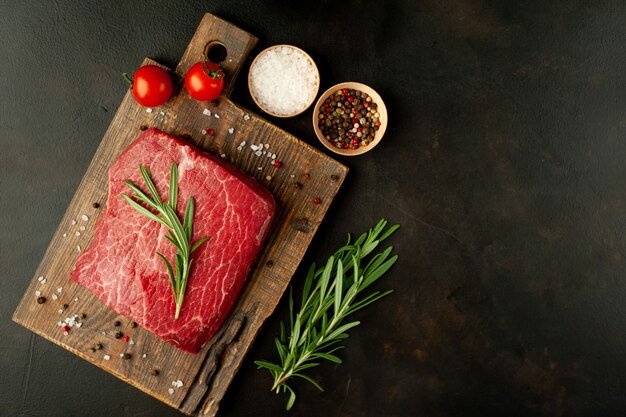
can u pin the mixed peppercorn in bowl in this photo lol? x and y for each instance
(350, 118)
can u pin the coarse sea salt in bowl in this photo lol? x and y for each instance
(283, 80)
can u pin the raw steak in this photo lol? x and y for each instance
(121, 267)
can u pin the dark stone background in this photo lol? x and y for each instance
(504, 163)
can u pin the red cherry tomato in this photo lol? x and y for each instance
(152, 86)
(204, 81)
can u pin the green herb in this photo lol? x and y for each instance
(331, 293)
(179, 234)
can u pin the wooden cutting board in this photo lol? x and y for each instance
(306, 174)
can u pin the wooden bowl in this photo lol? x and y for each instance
(381, 109)
(313, 92)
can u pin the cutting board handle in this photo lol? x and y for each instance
(215, 31)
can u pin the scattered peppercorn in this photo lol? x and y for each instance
(278, 164)
(95, 205)
(118, 335)
(298, 185)
(64, 307)
(117, 323)
(82, 316)
(269, 263)
(334, 178)
(317, 201)
(98, 346)
(92, 350)
(349, 119)
(133, 324)
(127, 356)
(125, 338)
(143, 127)
(41, 300)
(154, 372)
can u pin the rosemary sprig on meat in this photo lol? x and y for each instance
(331, 293)
(179, 235)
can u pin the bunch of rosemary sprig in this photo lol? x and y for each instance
(179, 234)
(331, 293)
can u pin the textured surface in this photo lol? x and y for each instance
(120, 266)
(504, 162)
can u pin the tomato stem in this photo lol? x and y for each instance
(128, 80)
(210, 72)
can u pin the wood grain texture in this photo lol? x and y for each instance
(206, 375)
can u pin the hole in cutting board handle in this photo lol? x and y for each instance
(215, 52)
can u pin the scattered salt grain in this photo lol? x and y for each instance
(223, 155)
(132, 342)
(292, 176)
(108, 357)
(206, 112)
(82, 228)
(260, 168)
(269, 154)
(77, 233)
(170, 390)
(203, 131)
(103, 333)
(264, 152)
(274, 156)
(75, 298)
(231, 130)
(60, 290)
(79, 324)
(246, 117)
(162, 113)
(254, 147)
(78, 248)
(284, 80)
(178, 383)
(243, 143)
(37, 293)
(217, 116)
(84, 218)
(239, 148)
(64, 234)
(121, 355)
(258, 153)
(269, 178)
(267, 145)
(148, 110)
(41, 278)
(55, 297)
(144, 356)
(73, 222)
(43, 281)
(66, 333)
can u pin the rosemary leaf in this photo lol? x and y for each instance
(330, 294)
(178, 234)
(146, 177)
